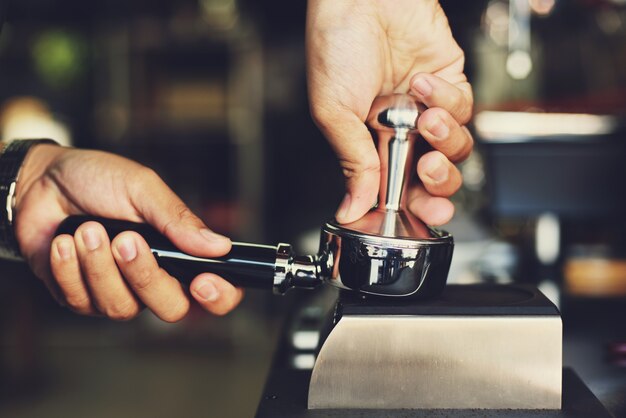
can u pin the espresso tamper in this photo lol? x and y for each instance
(388, 252)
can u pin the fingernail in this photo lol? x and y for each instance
(422, 86)
(438, 128)
(211, 236)
(344, 207)
(127, 249)
(207, 291)
(91, 238)
(64, 250)
(437, 171)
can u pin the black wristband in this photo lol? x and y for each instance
(11, 161)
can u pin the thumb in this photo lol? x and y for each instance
(353, 144)
(165, 211)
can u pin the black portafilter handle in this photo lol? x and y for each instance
(246, 265)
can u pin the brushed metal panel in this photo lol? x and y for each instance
(413, 362)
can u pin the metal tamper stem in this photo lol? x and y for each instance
(388, 252)
(393, 121)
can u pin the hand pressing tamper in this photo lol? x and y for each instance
(388, 252)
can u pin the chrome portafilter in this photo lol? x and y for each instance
(388, 252)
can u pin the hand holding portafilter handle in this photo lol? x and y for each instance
(394, 255)
(245, 265)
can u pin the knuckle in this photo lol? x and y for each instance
(183, 212)
(180, 214)
(147, 175)
(464, 114)
(95, 271)
(459, 156)
(463, 108)
(469, 145)
(143, 278)
(122, 311)
(460, 108)
(177, 312)
(355, 169)
(329, 111)
(455, 185)
(323, 114)
(78, 302)
(466, 148)
(141, 179)
(457, 153)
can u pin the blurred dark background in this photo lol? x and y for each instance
(212, 95)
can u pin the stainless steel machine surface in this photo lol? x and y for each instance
(440, 362)
(475, 351)
(493, 347)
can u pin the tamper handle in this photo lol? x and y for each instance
(394, 120)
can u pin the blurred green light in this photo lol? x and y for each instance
(59, 57)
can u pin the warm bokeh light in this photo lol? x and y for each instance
(542, 7)
(29, 117)
(496, 22)
(519, 64)
(497, 126)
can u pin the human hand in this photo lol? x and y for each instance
(87, 272)
(360, 49)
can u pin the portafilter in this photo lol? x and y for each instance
(388, 252)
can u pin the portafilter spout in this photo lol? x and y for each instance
(388, 252)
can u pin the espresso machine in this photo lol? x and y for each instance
(397, 342)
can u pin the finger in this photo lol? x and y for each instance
(439, 176)
(164, 210)
(353, 144)
(111, 295)
(432, 210)
(215, 294)
(443, 133)
(67, 274)
(434, 91)
(159, 291)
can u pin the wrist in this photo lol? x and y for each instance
(38, 160)
(12, 161)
